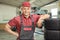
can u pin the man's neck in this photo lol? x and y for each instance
(26, 16)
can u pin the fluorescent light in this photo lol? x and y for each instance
(54, 12)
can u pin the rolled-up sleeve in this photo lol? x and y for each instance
(12, 22)
(36, 17)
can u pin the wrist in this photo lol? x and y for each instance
(41, 20)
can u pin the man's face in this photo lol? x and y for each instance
(26, 10)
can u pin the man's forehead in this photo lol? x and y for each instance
(25, 7)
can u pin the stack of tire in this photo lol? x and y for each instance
(52, 29)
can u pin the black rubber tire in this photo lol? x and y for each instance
(52, 24)
(52, 35)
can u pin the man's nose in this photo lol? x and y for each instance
(26, 10)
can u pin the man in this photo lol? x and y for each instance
(25, 23)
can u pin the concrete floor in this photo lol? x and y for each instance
(6, 36)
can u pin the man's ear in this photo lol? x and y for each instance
(30, 7)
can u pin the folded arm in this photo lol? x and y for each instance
(41, 19)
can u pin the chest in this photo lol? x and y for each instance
(26, 21)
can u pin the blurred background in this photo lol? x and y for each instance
(11, 8)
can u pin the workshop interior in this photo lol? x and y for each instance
(50, 29)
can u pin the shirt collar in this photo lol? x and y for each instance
(25, 17)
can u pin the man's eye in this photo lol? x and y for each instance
(28, 8)
(24, 8)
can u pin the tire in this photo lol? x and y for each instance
(52, 35)
(52, 24)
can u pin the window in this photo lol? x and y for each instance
(54, 12)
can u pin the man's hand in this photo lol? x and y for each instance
(41, 19)
(7, 28)
(45, 16)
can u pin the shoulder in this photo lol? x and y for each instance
(17, 17)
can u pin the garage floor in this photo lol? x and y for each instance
(6, 36)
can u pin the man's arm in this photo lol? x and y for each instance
(7, 28)
(41, 19)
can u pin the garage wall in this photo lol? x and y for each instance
(7, 12)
